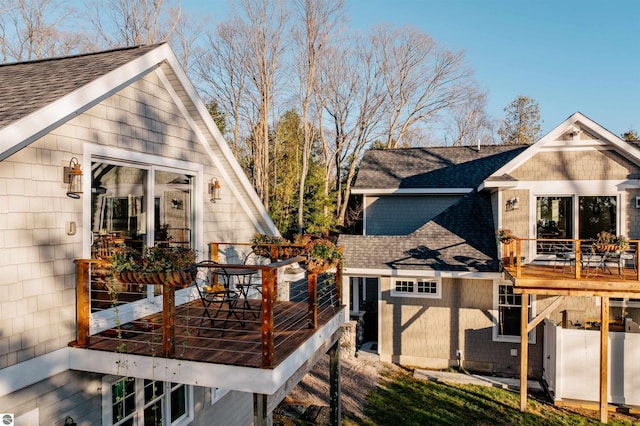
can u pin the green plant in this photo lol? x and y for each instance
(504, 235)
(261, 244)
(153, 259)
(324, 249)
(607, 241)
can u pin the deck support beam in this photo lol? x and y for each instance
(260, 415)
(604, 359)
(334, 385)
(524, 350)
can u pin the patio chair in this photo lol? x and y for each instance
(563, 254)
(216, 293)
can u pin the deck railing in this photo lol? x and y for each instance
(515, 253)
(177, 330)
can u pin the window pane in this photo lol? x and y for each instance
(152, 390)
(554, 217)
(508, 311)
(172, 209)
(153, 414)
(597, 214)
(123, 401)
(178, 402)
(117, 200)
(509, 321)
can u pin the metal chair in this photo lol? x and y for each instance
(564, 254)
(214, 292)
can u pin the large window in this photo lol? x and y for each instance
(121, 207)
(129, 401)
(557, 217)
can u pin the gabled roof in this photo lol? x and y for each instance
(39, 96)
(448, 242)
(577, 131)
(26, 87)
(464, 167)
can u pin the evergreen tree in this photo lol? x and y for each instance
(521, 124)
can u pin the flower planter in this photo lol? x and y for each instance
(181, 278)
(318, 266)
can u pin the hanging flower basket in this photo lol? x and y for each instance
(323, 255)
(318, 266)
(181, 278)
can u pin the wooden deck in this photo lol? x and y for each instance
(538, 278)
(230, 343)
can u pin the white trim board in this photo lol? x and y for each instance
(32, 371)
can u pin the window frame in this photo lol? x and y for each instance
(138, 413)
(496, 336)
(415, 282)
(217, 394)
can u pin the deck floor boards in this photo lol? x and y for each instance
(232, 343)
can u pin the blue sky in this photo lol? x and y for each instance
(568, 55)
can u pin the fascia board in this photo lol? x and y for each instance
(410, 191)
(192, 94)
(419, 273)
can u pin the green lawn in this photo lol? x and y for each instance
(401, 400)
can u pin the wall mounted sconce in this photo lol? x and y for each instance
(637, 202)
(512, 204)
(73, 177)
(214, 190)
(177, 204)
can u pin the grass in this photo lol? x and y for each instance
(401, 400)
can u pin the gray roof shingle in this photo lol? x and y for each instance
(458, 239)
(26, 87)
(439, 167)
(461, 238)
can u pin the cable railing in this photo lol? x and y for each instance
(256, 328)
(582, 259)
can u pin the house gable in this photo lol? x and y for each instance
(577, 149)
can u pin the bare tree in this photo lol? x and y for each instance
(267, 20)
(316, 25)
(31, 29)
(221, 67)
(120, 23)
(469, 122)
(353, 96)
(421, 78)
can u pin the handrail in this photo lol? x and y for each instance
(512, 252)
(271, 336)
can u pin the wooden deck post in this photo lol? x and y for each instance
(269, 278)
(339, 283)
(214, 255)
(260, 415)
(168, 319)
(312, 288)
(604, 359)
(82, 302)
(578, 262)
(334, 384)
(517, 260)
(524, 350)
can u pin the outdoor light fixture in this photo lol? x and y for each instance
(73, 176)
(513, 204)
(214, 189)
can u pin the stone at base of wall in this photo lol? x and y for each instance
(482, 367)
(348, 339)
(418, 361)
